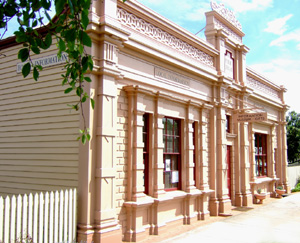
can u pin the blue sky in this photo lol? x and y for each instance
(272, 32)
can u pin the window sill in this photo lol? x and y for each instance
(230, 135)
(263, 179)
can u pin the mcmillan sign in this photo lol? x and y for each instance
(251, 117)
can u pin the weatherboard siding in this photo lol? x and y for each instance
(38, 131)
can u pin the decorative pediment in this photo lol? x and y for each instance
(226, 13)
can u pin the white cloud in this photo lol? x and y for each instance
(278, 26)
(291, 36)
(284, 72)
(245, 5)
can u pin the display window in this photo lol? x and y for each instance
(146, 152)
(172, 153)
(261, 162)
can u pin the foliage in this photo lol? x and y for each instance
(293, 136)
(297, 188)
(68, 27)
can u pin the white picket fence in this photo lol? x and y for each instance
(42, 217)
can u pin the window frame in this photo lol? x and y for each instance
(174, 156)
(227, 124)
(261, 155)
(146, 131)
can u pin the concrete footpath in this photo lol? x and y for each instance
(277, 220)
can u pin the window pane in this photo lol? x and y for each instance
(170, 126)
(175, 162)
(168, 179)
(176, 144)
(176, 127)
(169, 144)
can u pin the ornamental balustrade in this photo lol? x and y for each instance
(257, 85)
(158, 34)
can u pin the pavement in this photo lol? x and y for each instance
(275, 221)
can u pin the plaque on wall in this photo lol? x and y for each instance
(228, 65)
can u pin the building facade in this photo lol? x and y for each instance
(182, 129)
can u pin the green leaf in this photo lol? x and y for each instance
(85, 18)
(88, 79)
(48, 41)
(83, 138)
(59, 6)
(90, 63)
(23, 54)
(93, 103)
(36, 74)
(39, 67)
(35, 49)
(68, 90)
(61, 45)
(35, 23)
(79, 91)
(86, 40)
(48, 17)
(46, 4)
(70, 35)
(26, 69)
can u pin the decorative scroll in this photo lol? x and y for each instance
(262, 87)
(228, 31)
(226, 13)
(158, 34)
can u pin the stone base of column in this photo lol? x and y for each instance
(205, 215)
(108, 237)
(238, 200)
(287, 188)
(85, 233)
(225, 206)
(108, 233)
(213, 207)
(247, 199)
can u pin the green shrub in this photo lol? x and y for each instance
(297, 188)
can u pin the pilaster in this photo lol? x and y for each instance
(245, 165)
(158, 152)
(213, 202)
(222, 170)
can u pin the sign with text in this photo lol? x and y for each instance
(45, 61)
(168, 75)
(251, 117)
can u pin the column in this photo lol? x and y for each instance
(213, 202)
(203, 183)
(245, 165)
(86, 177)
(158, 189)
(284, 162)
(222, 187)
(237, 167)
(106, 222)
